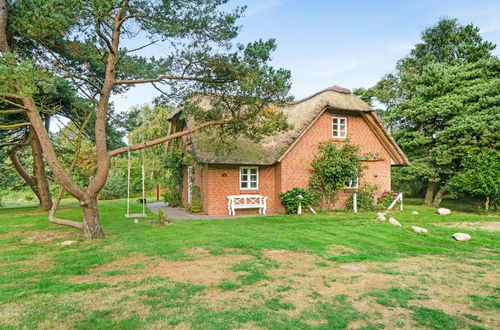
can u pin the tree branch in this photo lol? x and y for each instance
(167, 77)
(10, 111)
(11, 126)
(152, 143)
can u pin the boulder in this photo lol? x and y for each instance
(381, 217)
(461, 237)
(414, 213)
(419, 230)
(443, 211)
(394, 222)
(66, 243)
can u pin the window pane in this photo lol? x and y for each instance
(244, 184)
(253, 177)
(244, 177)
(253, 184)
(253, 171)
(243, 170)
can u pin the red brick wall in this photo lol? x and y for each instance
(219, 181)
(224, 180)
(295, 166)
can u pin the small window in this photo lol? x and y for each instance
(339, 127)
(351, 184)
(249, 178)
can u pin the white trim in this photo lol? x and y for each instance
(249, 181)
(350, 185)
(338, 119)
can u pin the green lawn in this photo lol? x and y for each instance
(327, 271)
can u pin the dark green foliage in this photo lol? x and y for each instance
(295, 197)
(365, 198)
(479, 178)
(116, 186)
(175, 162)
(441, 102)
(332, 168)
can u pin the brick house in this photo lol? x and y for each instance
(282, 162)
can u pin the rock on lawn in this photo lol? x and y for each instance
(443, 211)
(419, 230)
(381, 217)
(394, 222)
(461, 237)
(414, 213)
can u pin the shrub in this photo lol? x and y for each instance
(365, 198)
(387, 197)
(332, 168)
(172, 197)
(116, 187)
(295, 197)
(162, 217)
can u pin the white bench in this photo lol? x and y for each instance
(246, 202)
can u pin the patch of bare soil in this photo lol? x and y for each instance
(40, 236)
(206, 270)
(484, 225)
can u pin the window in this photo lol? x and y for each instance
(249, 178)
(351, 184)
(339, 127)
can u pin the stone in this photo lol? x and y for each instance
(461, 237)
(419, 230)
(66, 243)
(443, 211)
(381, 217)
(414, 213)
(394, 222)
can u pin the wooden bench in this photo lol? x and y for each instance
(235, 202)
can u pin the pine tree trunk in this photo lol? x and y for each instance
(39, 174)
(439, 197)
(429, 194)
(91, 221)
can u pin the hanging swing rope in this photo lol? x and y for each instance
(143, 177)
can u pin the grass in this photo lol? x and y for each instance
(276, 272)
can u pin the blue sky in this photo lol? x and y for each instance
(346, 43)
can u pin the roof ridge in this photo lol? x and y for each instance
(333, 88)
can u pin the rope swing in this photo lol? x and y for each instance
(135, 216)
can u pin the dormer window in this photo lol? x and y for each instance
(339, 127)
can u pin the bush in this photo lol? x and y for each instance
(172, 197)
(292, 199)
(387, 197)
(162, 217)
(116, 187)
(365, 198)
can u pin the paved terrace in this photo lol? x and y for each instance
(179, 213)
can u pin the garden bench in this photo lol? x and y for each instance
(252, 201)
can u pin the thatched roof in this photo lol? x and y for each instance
(300, 114)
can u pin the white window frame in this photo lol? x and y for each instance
(249, 181)
(349, 184)
(337, 134)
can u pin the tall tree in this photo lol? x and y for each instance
(429, 88)
(89, 44)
